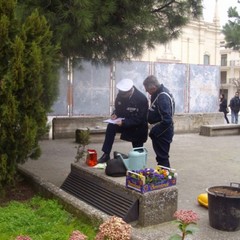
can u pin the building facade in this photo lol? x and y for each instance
(202, 43)
(199, 43)
(230, 71)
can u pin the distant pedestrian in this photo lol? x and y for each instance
(223, 107)
(235, 107)
(160, 115)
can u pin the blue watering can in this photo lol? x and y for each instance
(137, 159)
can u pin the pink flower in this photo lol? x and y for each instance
(114, 229)
(186, 216)
(77, 235)
(23, 238)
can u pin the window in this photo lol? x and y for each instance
(206, 59)
(223, 77)
(224, 60)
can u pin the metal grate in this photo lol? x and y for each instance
(97, 194)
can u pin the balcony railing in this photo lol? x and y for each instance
(233, 80)
(231, 63)
(234, 63)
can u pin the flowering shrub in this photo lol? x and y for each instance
(186, 220)
(114, 229)
(155, 175)
(23, 238)
(77, 235)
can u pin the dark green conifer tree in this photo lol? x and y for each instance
(107, 30)
(27, 77)
(231, 29)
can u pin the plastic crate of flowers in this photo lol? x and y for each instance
(148, 179)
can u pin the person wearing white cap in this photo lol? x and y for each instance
(160, 115)
(131, 106)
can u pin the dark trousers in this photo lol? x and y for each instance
(111, 131)
(225, 116)
(161, 147)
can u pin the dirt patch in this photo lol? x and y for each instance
(22, 191)
(226, 191)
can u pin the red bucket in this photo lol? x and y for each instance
(91, 157)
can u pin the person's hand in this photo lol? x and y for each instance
(119, 123)
(114, 116)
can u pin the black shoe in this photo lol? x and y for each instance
(104, 158)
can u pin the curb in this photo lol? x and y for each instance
(70, 203)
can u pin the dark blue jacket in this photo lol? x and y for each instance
(161, 111)
(134, 110)
(235, 104)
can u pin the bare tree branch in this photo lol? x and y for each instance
(164, 6)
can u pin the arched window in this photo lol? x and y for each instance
(206, 59)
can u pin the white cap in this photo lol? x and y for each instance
(125, 85)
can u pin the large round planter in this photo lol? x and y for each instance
(224, 207)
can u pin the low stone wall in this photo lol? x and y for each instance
(191, 123)
(65, 127)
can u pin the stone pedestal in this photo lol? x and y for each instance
(111, 196)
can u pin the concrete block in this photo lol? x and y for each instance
(65, 127)
(153, 207)
(220, 130)
(157, 206)
(191, 122)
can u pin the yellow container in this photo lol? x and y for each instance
(203, 199)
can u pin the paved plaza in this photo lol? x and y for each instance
(200, 162)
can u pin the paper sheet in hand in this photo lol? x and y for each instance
(114, 121)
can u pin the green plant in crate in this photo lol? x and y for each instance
(83, 137)
(150, 175)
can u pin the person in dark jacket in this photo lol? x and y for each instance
(235, 107)
(130, 116)
(223, 106)
(160, 115)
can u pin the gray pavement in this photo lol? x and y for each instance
(200, 162)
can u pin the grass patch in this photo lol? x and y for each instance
(41, 219)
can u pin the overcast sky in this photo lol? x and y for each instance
(223, 6)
